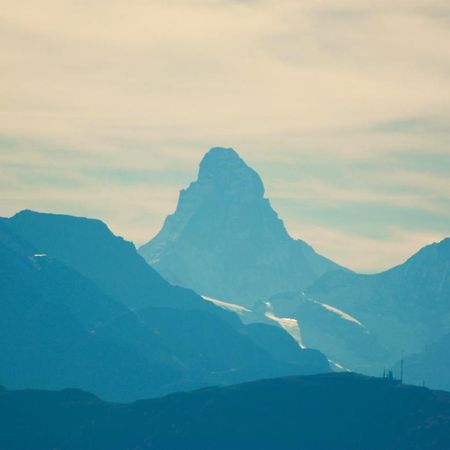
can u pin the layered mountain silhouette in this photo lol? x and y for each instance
(89, 247)
(54, 327)
(80, 308)
(405, 308)
(327, 412)
(225, 240)
(366, 322)
(345, 340)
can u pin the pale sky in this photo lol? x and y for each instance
(343, 107)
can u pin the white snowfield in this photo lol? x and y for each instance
(289, 325)
(338, 366)
(225, 305)
(340, 313)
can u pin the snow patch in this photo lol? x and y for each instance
(339, 366)
(340, 313)
(291, 326)
(225, 305)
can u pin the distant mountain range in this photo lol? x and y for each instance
(405, 308)
(225, 297)
(80, 308)
(366, 322)
(347, 341)
(225, 240)
(326, 412)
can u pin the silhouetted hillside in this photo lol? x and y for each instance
(326, 412)
(59, 328)
(88, 246)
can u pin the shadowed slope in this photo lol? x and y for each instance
(181, 340)
(56, 330)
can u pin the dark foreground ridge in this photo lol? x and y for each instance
(330, 411)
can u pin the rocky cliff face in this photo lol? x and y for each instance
(225, 240)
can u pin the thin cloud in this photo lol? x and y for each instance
(93, 93)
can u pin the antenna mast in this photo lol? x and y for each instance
(401, 369)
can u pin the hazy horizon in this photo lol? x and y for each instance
(320, 237)
(342, 108)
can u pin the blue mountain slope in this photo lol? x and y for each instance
(406, 308)
(225, 240)
(181, 340)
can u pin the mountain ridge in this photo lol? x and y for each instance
(84, 276)
(225, 240)
(330, 412)
(407, 307)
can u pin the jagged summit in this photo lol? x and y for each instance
(219, 154)
(225, 240)
(224, 169)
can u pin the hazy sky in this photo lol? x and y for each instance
(343, 107)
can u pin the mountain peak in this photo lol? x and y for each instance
(218, 153)
(61, 223)
(224, 168)
(225, 240)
